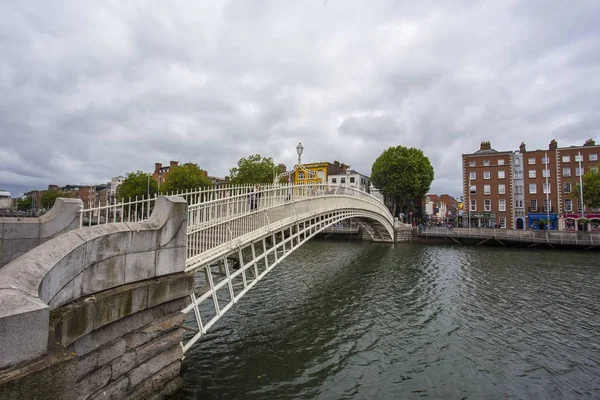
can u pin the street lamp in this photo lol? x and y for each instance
(299, 149)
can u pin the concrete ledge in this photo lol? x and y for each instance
(83, 262)
(19, 235)
(23, 327)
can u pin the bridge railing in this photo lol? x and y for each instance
(521, 235)
(139, 208)
(212, 210)
(135, 209)
(231, 212)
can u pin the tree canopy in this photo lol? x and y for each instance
(50, 196)
(403, 173)
(253, 169)
(185, 177)
(591, 189)
(137, 184)
(24, 204)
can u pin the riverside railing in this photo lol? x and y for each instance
(518, 235)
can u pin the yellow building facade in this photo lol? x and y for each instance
(316, 173)
(311, 174)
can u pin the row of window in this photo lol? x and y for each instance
(544, 160)
(487, 189)
(486, 175)
(546, 188)
(343, 180)
(547, 205)
(487, 205)
(578, 158)
(486, 163)
(532, 173)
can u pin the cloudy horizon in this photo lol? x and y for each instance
(96, 89)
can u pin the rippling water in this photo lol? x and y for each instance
(360, 321)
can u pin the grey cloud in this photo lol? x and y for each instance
(91, 90)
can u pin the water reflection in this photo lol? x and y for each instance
(346, 320)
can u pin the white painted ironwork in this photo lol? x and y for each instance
(130, 210)
(237, 237)
(236, 234)
(229, 215)
(139, 208)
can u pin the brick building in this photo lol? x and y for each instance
(487, 187)
(528, 189)
(160, 173)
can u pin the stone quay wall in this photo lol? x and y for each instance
(19, 235)
(95, 313)
(403, 233)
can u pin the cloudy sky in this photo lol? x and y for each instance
(94, 89)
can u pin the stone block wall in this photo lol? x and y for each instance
(19, 235)
(110, 297)
(127, 340)
(403, 234)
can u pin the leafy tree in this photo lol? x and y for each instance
(591, 189)
(185, 177)
(24, 204)
(50, 196)
(137, 184)
(402, 173)
(253, 169)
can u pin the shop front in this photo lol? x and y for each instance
(575, 223)
(482, 220)
(542, 221)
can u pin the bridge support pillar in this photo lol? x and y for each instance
(403, 234)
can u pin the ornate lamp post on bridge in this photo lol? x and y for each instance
(298, 166)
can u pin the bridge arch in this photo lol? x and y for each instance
(233, 243)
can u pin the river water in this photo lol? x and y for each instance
(359, 321)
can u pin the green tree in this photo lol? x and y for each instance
(137, 184)
(591, 189)
(185, 177)
(403, 174)
(24, 204)
(50, 196)
(253, 169)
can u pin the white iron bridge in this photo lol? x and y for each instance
(237, 234)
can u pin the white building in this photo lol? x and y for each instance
(350, 178)
(114, 184)
(5, 199)
(435, 208)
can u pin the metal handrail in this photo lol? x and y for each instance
(548, 236)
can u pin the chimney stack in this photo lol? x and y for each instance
(485, 145)
(553, 145)
(173, 164)
(522, 147)
(157, 167)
